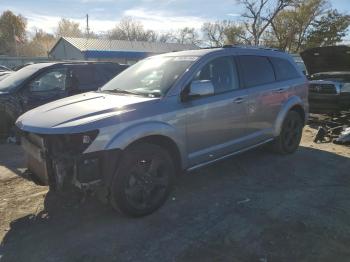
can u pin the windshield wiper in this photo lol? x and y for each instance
(122, 91)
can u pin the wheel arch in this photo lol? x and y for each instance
(292, 104)
(160, 134)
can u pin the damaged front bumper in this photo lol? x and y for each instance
(60, 162)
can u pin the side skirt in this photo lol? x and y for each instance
(229, 155)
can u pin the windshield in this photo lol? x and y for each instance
(17, 78)
(151, 77)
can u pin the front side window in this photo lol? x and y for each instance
(256, 70)
(52, 80)
(221, 72)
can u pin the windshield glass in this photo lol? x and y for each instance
(150, 77)
(16, 78)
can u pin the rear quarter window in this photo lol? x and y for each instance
(256, 70)
(106, 72)
(284, 69)
(84, 77)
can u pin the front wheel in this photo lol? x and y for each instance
(143, 180)
(289, 139)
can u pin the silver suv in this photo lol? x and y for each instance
(166, 114)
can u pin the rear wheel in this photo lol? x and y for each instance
(289, 139)
(143, 181)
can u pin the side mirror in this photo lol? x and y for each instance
(201, 88)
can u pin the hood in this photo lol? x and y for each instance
(80, 113)
(327, 59)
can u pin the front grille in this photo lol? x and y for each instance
(323, 88)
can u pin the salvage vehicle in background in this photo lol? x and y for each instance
(329, 75)
(38, 84)
(165, 114)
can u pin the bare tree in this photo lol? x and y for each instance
(259, 16)
(131, 30)
(187, 35)
(68, 28)
(166, 37)
(214, 32)
(223, 32)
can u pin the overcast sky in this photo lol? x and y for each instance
(159, 15)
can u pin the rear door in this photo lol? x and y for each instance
(268, 81)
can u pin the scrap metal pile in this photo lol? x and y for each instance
(334, 128)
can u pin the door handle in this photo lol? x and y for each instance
(279, 90)
(239, 100)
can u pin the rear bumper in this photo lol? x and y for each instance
(329, 103)
(62, 172)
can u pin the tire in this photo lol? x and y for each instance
(289, 139)
(143, 180)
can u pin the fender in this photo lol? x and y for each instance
(291, 102)
(142, 130)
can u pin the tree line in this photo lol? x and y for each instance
(290, 25)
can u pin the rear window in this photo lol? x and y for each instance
(284, 69)
(256, 70)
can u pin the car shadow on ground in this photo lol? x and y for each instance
(253, 207)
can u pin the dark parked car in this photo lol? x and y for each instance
(4, 68)
(329, 74)
(38, 84)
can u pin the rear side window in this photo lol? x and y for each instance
(84, 77)
(256, 70)
(284, 69)
(105, 72)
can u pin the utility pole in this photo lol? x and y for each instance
(87, 26)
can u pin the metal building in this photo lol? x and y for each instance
(125, 52)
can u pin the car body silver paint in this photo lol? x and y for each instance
(203, 129)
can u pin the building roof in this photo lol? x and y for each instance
(92, 44)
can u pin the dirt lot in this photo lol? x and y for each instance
(253, 207)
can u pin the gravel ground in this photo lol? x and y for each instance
(254, 207)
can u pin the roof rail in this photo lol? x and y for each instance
(253, 47)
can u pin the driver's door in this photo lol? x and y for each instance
(47, 87)
(216, 124)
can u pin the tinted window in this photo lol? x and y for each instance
(256, 70)
(51, 80)
(83, 77)
(105, 72)
(221, 72)
(284, 69)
